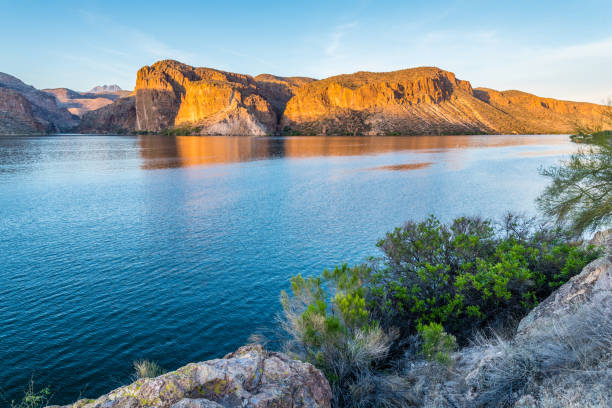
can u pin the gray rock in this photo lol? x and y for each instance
(591, 290)
(249, 377)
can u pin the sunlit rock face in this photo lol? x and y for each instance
(425, 100)
(169, 94)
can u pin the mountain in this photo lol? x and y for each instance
(25, 109)
(425, 100)
(105, 89)
(78, 103)
(116, 117)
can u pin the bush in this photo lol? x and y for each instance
(330, 326)
(33, 398)
(146, 369)
(470, 274)
(437, 344)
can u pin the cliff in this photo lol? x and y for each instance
(422, 101)
(25, 109)
(169, 93)
(425, 100)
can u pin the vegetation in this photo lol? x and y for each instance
(580, 194)
(146, 369)
(33, 398)
(434, 285)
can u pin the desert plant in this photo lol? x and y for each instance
(437, 344)
(33, 398)
(469, 274)
(146, 369)
(580, 193)
(329, 325)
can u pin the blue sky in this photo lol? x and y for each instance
(560, 49)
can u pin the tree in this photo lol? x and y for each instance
(580, 193)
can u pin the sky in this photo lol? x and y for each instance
(560, 49)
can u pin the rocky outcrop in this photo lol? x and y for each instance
(249, 377)
(78, 103)
(171, 94)
(117, 117)
(42, 115)
(279, 90)
(425, 100)
(583, 294)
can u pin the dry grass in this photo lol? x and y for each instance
(146, 369)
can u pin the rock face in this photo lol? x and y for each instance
(425, 100)
(249, 377)
(169, 94)
(33, 111)
(117, 117)
(589, 290)
(78, 103)
(279, 90)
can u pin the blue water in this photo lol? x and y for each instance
(116, 248)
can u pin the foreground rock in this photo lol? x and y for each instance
(117, 117)
(585, 293)
(249, 377)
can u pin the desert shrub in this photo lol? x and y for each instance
(469, 274)
(437, 345)
(580, 192)
(33, 398)
(330, 326)
(146, 369)
(573, 359)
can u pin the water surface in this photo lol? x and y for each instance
(175, 249)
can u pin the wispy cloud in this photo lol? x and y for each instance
(335, 40)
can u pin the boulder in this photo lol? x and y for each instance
(591, 290)
(249, 377)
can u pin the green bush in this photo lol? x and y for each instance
(437, 344)
(33, 398)
(469, 274)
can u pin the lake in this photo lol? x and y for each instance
(175, 249)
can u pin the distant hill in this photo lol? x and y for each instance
(25, 109)
(80, 102)
(105, 89)
(425, 100)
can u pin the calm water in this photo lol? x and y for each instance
(175, 249)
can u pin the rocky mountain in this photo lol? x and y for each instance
(116, 117)
(424, 100)
(78, 103)
(25, 109)
(105, 89)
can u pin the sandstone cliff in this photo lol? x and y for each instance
(169, 93)
(78, 103)
(249, 377)
(422, 101)
(42, 113)
(425, 100)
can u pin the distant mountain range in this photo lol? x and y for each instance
(177, 98)
(105, 89)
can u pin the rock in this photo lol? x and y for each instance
(591, 290)
(171, 94)
(105, 89)
(425, 100)
(42, 115)
(249, 377)
(117, 117)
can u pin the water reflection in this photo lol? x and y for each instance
(182, 151)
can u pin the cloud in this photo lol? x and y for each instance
(335, 41)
